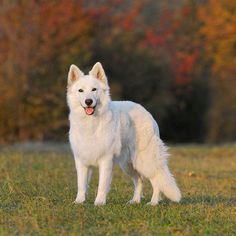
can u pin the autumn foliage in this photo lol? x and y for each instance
(176, 59)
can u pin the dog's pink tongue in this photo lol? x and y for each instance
(89, 110)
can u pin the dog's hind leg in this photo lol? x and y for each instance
(138, 187)
(137, 180)
(156, 193)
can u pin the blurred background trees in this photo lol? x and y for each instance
(177, 58)
(219, 32)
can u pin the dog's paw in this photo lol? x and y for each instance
(100, 202)
(152, 203)
(96, 203)
(133, 201)
(79, 200)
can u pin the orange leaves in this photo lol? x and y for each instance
(219, 41)
(219, 32)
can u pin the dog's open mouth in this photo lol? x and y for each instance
(89, 110)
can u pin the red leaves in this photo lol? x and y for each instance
(98, 13)
(152, 39)
(183, 66)
(128, 22)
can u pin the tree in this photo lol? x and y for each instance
(219, 32)
(155, 47)
(39, 39)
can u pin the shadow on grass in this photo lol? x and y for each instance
(208, 200)
(205, 200)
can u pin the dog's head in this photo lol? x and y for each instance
(88, 95)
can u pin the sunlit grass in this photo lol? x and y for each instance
(37, 191)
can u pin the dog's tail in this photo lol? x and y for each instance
(164, 179)
(166, 184)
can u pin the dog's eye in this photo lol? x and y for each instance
(81, 90)
(94, 89)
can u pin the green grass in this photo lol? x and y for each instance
(37, 191)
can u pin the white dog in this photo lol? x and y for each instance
(104, 132)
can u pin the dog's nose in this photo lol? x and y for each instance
(88, 102)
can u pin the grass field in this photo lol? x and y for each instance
(37, 190)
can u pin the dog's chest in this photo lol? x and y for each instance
(94, 140)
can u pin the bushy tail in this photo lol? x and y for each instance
(166, 184)
(164, 179)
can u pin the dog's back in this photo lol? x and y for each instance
(144, 124)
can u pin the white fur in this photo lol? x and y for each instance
(118, 132)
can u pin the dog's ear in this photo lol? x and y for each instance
(99, 73)
(74, 74)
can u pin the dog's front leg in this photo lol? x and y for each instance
(82, 178)
(105, 176)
